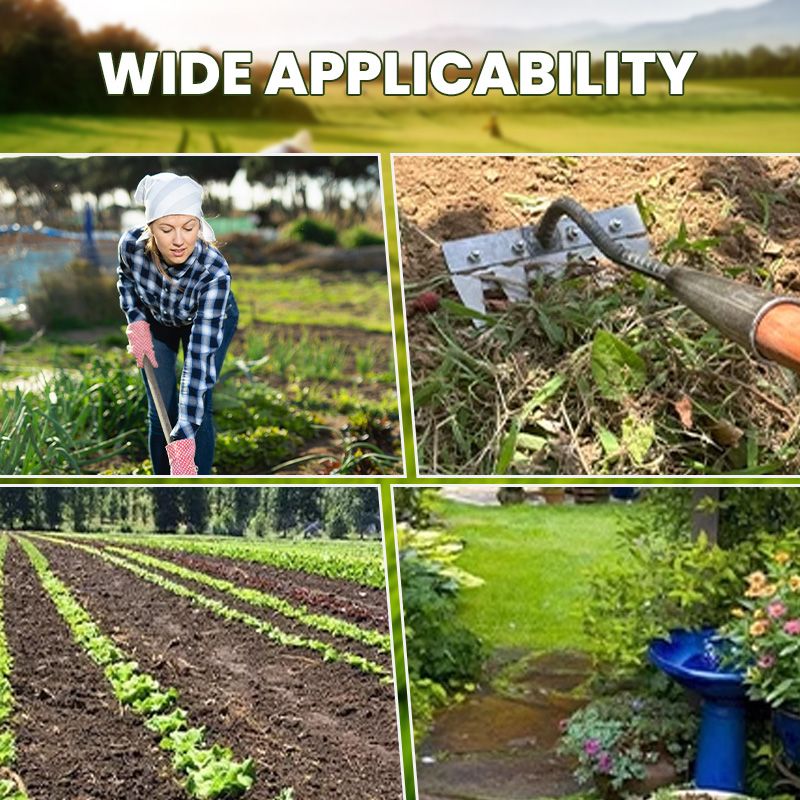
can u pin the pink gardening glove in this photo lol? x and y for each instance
(181, 457)
(140, 342)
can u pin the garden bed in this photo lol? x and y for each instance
(326, 729)
(72, 740)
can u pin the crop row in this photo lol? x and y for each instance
(328, 652)
(11, 788)
(208, 772)
(358, 562)
(322, 622)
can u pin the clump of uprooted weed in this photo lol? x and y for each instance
(600, 373)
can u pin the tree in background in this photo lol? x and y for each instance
(53, 506)
(166, 511)
(195, 506)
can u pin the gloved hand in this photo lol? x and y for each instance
(181, 457)
(140, 342)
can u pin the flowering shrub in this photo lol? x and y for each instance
(615, 738)
(766, 627)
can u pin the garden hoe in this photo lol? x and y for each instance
(161, 408)
(766, 324)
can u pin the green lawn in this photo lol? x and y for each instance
(719, 116)
(533, 560)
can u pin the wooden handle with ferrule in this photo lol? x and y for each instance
(778, 335)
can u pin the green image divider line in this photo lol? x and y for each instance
(11, 788)
(328, 652)
(323, 622)
(208, 772)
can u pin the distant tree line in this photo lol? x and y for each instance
(49, 65)
(46, 184)
(264, 512)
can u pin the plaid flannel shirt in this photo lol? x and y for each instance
(197, 296)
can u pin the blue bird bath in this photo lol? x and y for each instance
(692, 658)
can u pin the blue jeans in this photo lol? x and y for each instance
(166, 341)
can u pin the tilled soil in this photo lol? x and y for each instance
(359, 604)
(286, 624)
(746, 210)
(325, 729)
(73, 741)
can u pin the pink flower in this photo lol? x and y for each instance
(777, 609)
(766, 661)
(792, 627)
(604, 763)
(591, 747)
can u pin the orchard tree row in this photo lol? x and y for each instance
(307, 511)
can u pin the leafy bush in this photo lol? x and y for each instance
(359, 236)
(79, 296)
(766, 625)
(256, 451)
(412, 505)
(240, 408)
(309, 229)
(745, 511)
(440, 649)
(8, 333)
(661, 581)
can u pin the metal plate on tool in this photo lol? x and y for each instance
(517, 244)
(506, 258)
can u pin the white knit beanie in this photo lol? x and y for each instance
(166, 193)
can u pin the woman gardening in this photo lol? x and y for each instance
(174, 288)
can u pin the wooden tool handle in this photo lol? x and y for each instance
(778, 335)
(163, 417)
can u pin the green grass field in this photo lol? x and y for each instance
(718, 116)
(534, 562)
(274, 295)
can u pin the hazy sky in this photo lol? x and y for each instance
(266, 27)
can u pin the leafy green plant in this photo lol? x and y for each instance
(258, 450)
(74, 421)
(681, 243)
(9, 790)
(660, 581)
(443, 656)
(615, 738)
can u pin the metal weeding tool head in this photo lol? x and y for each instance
(510, 258)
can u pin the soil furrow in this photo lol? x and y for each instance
(359, 604)
(323, 728)
(286, 624)
(73, 742)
